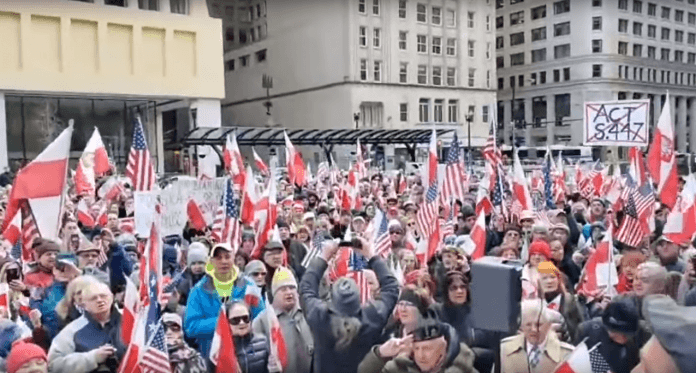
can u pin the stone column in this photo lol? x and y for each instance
(550, 119)
(680, 125)
(692, 126)
(528, 116)
(3, 133)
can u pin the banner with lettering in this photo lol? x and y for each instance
(616, 123)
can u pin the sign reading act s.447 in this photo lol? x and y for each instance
(616, 123)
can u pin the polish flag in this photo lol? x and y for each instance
(84, 179)
(14, 229)
(267, 213)
(195, 215)
(483, 201)
(662, 163)
(234, 162)
(42, 184)
(83, 214)
(111, 189)
(478, 236)
(249, 198)
(636, 165)
(5, 296)
(222, 353)
(295, 164)
(278, 358)
(95, 154)
(577, 362)
(600, 270)
(130, 309)
(131, 360)
(681, 221)
(260, 164)
(434, 242)
(432, 159)
(519, 186)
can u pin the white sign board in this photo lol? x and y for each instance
(145, 203)
(616, 123)
(175, 196)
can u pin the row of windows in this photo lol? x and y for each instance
(537, 34)
(537, 55)
(656, 76)
(176, 6)
(665, 53)
(436, 74)
(425, 14)
(254, 33)
(665, 11)
(245, 60)
(436, 43)
(246, 14)
(539, 12)
(426, 106)
(665, 33)
(539, 110)
(559, 75)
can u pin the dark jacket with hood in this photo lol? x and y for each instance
(621, 358)
(188, 281)
(252, 352)
(296, 253)
(373, 317)
(118, 266)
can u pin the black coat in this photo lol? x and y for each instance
(188, 281)
(621, 358)
(252, 352)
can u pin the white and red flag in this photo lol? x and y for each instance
(260, 164)
(600, 271)
(427, 214)
(234, 163)
(295, 164)
(249, 198)
(42, 185)
(95, 151)
(478, 237)
(13, 230)
(662, 161)
(681, 221)
(577, 362)
(195, 215)
(140, 169)
(85, 184)
(83, 214)
(636, 165)
(222, 353)
(131, 307)
(520, 191)
(278, 358)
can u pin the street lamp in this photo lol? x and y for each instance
(469, 118)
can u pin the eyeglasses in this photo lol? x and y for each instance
(239, 319)
(257, 274)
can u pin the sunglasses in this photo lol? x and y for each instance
(257, 274)
(239, 319)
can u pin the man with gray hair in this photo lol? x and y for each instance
(535, 349)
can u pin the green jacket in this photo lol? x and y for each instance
(462, 361)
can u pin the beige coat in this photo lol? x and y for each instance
(514, 359)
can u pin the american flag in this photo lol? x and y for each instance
(597, 362)
(497, 198)
(448, 226)
(156, 358)
(140, 169)
(102, 258)
(637, 201)
(427, 214)
(382, 240)
(548, 182)
(226, 226)
(30, 232)
(490, 151)
(356, 264)
(322, 171)
(315, 251)
(453, 186)
(587, 185)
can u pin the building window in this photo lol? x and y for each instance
(242, 36)
(664, 54)
(679, 56)
(691, 59)
(437, 75)
(520, 81)
(533, 78)
(436, 15)
(472, 77)
(437, 110)
(121, 3)
(560, 7)
(403, 72)
(679, 16)
(375, 37)
(560, 29)
(517, 38)
(488, 23)
(148, 4)
(623, 4)
(623, 25)
(450, 18)
(451, 47)
(623, 48)
(229, 35)
(363, 69)
(501, 83)
(542, 77)
(244, 60)
(361, 6)
(471, 48)
(517, 18)
(665, 12)
(637, 28)
(470, 19)
(637, 50)
(500, 62)
(691, 38)
(539, 34)
(652, 31)
(488, 79)
(539, 12)
(422, 44)
(566, 74)
(692, 18)
(651, 52)
(637, 6)
(596, 71)
(421, 13)
(561, 51)
(403, 112)
(652, 9)
(517, 59)
(437, 45)
(488, 50)
(252, 33)
(402, 8)
(484, 113)
(423, 110)
(378, 71)
(178, 6)
(422, 74)
(261, 55)
(539, 109)
(596, 23)
(679, 36)
(371, 114)
(556, 76)
(402, 40)
(375, 7)
(539, 55)
(499, 42)
(362, 37)
(230, 65)
(596, 3)
(597, 46)
(665, 33)
(452, 111)
(451, 76)
(499, 22)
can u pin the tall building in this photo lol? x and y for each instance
(359, 63)
(552, 56)
(100, 62)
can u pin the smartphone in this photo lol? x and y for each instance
(75, 241)
(12, 274)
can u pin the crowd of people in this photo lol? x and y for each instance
(63, 310)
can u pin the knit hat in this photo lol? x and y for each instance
(197, 252)
(43, 246)
(253, 266)
(540, 247)
(169, 255)
(282, 224)
(621, 315)
(23, 353)
(418, 300)
(345, 297)
(282, 277)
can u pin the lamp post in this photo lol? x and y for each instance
(267, 83)
(469, 118)
(356, 118)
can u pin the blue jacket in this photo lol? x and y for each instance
(47, 305)
(203, 307)
(118, 266)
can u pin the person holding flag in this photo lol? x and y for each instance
(182, 358)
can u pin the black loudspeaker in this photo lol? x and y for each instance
(496, 292)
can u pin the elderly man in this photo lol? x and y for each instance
(672, 347)
(535, 350)
(298, 337)
(93, 341)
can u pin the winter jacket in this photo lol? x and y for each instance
(573, 314)
(38, 278)
(118, 266)
(298, 337)
(204, 304)
(515, 359)
(188, 281)
(252, 352)
(186, 360)
(73, 349)
(373, 318)
(493, 239)
(296, 253)
(47, 303)
(621, 358)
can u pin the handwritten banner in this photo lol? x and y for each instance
(145, 203)
(175, 196)
(616, 123)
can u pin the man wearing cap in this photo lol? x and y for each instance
(87, 261)
(359, 223)
(222, 283)
(620, 333)
(308, 220)
(296, 332)
(668, 253)
(535, 350)
(432, 347)
(672, 347)
(41, 276)
(527, 221)
(182, 358)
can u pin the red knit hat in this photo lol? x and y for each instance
(540, 247)
(23, 353)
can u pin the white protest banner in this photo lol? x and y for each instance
(616, 123)
(175, 196)
(145, 203)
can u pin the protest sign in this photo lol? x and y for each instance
(175, 196)
(145, 203)
(616, 123)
